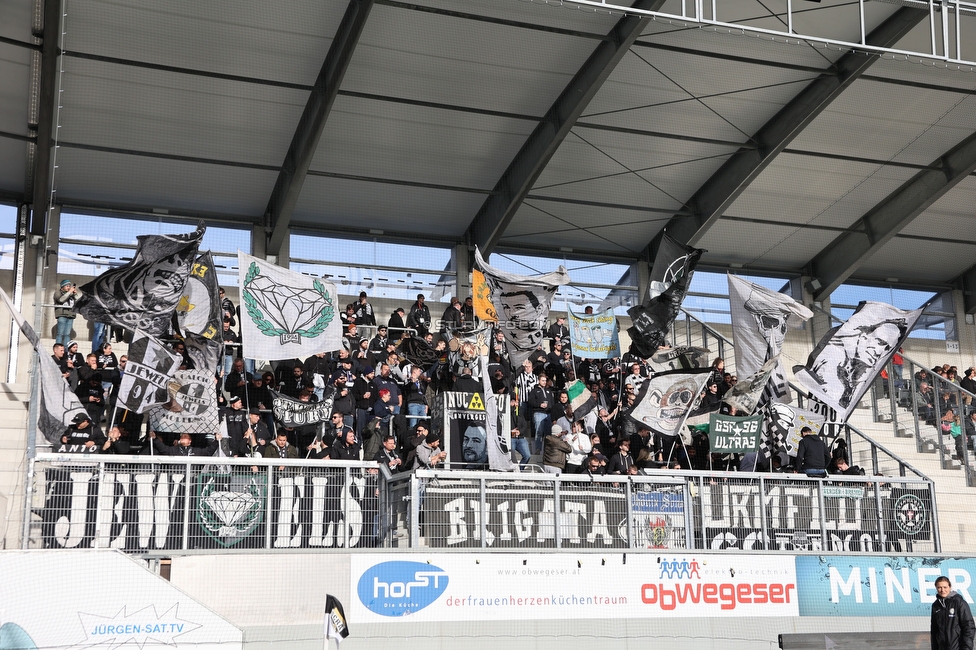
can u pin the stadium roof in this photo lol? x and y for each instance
(516, 125)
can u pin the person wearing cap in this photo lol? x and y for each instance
(558, 332)
(82, 435)
(364, 311)
(377, 344)
(256, 435)
(64, 300)
(388, 454)
(397, 323)
(555, 450)
(419, 316)
(258, 395)
(72, 354)
(236, 420)
(429, 454)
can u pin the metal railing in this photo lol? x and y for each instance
(147, 507)
(667, 510)
(687, 330)
(945, 29)
(163, 505)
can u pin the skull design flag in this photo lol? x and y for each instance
(285, 315)
(666, 399)
(760, 317)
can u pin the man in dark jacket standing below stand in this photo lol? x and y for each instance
(812, 457)
(952, 621)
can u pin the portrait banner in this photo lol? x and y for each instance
(144, 293)
(285, 315)
(666, 399)
(760, 318)
(840, 369)
(470, 434)
(594, 336)
(522, 305)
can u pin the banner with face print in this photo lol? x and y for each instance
(760, 318)
(522, 305)
(594, 336)
(840, 369)
(783, 424)
(666, 399)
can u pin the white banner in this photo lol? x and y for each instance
(458, 587)
(286, 315)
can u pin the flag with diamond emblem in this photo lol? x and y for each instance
(285, 315)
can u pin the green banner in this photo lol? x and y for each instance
(731, 435)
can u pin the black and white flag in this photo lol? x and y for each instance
(336, 625)
(760, 318)
(842, 366)
(192, 407)
(144, 293)
(148, 376)
(59, 405)
(465, 349)
(744, 397)
(783, 425)
(199, 317)
(670, 277)
(666, 399)
(522, 304)
(295, 413)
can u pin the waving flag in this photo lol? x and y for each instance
(59, 405)
(336, 624)
(760, 318)
(144, 293)
(285, 315)
(522, 305)
(744, 397)
(842, 366)
(594, 336)
(148, 375)
(673, 267)
(199, 316)
(666, 399)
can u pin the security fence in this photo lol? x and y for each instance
(152, 506)
(665, 510)
(147, 507)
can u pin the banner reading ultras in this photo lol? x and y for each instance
(465, 587)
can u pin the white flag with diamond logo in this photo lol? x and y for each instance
(285, 315)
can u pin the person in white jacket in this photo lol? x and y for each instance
(580, 442)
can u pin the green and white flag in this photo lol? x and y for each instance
(285, 315)
(580, 398)
(732, 435)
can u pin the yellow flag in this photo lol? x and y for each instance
(483, 308)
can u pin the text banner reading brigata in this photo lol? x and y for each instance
(458, 587)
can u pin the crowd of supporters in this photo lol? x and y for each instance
(381, 401)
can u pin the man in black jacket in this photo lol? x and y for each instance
(812, 457)
(952, 621)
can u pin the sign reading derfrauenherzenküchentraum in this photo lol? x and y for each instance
(457, 587)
